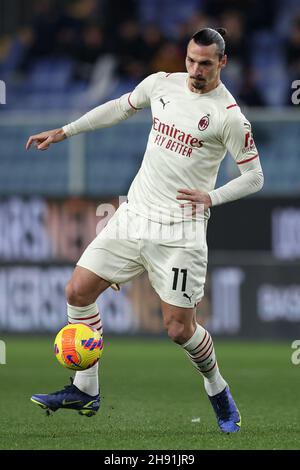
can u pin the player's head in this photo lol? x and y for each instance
(205, 58)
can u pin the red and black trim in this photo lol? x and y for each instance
(205, 334)
(211, 368)
(248, 160)
(129, 101)
(231, 106)
(207, 354)
(84, 318)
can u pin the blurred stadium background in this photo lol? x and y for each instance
(58, 59)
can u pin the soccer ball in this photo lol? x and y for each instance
(78, 346)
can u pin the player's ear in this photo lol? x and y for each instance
(223, 61)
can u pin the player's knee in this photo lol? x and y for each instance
(76, 295)
(71, 293)
(176, 331)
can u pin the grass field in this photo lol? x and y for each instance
(152, 398)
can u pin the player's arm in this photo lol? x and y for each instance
(105, 115)
(237, 138)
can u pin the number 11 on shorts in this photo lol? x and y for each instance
(176, 276)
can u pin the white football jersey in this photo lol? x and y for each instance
(189, 138)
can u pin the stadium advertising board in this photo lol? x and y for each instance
(40, 242)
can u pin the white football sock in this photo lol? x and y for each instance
(87, 380)
(200, 350)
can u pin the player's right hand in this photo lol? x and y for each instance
(43, 140)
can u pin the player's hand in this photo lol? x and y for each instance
(196, 198)
(43, 140)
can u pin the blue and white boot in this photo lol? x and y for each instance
(227, 413)
(70, 398)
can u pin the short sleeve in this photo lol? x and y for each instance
(141, 96)
(238, 139)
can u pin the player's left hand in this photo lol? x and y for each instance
(197, 199)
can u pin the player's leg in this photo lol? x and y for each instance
(108, 260)
(83, 394)
(177, 271)
(84, 287)
(184, 330)
(82, 292)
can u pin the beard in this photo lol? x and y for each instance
(198, 83)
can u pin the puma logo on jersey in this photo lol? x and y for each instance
(188, 296)
(163, 103)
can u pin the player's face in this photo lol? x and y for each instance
(203, 65)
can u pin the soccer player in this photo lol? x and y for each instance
(195, 122)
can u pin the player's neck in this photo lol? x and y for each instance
(204, 90)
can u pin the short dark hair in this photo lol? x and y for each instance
(208, 36)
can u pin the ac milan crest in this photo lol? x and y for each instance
(203, 123)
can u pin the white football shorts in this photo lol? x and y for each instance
(174, 256)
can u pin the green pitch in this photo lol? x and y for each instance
(152, 398)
